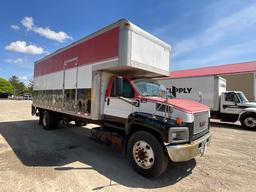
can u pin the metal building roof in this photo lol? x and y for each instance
(216, 70)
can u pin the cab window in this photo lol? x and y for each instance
(128, 91)
(231, 97)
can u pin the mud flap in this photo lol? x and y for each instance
(33, 110)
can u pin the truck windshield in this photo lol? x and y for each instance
(150, 88)
(242, 97)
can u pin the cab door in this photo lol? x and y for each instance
(116, 107)
(230, 103)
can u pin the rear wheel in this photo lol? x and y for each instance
(249, 121)
(79, 123)
(147, 154)
(50, 120)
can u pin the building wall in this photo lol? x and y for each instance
(242, 82)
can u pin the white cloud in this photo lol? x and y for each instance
(46, 32)
(23, 78)
(50, 34)
(18, 60)
(15, 61)
(27, 22)
(232, 24)
(15, 27)
(23, 47)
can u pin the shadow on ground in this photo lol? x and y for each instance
(57, 148)
(227, 125)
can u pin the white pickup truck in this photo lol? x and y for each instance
(230, 106)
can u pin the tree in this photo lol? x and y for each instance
(30, 86)
(18, 86)
(5, 87)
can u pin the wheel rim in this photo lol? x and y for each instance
(250, 122)
(143, 154)
(44, 120)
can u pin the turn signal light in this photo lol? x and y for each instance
(179, 120)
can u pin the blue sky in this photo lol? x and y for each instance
(201, 33)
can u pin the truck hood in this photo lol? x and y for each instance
(186, 105)
(249, 104)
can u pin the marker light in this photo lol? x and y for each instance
(179, 120)
(127, 25)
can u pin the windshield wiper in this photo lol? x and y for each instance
(147, 95)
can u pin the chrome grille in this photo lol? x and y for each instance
(200, 122)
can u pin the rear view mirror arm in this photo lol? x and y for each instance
(134, 103)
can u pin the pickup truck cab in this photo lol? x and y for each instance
(228, 106)
(178, 128)
(234, 106)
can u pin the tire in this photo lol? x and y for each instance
(79, 123)
(249, 121)
(50, 120)
(147, 154)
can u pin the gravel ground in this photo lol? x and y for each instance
(32, 159)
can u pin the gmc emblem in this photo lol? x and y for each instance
(202, 123)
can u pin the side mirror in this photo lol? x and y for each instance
(119, 86)
(174, 91)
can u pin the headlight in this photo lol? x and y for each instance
(178, 135)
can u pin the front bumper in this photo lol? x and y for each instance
(185, 152)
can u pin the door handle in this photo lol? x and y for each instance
(107, 100)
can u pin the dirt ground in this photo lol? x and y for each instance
(32, 159)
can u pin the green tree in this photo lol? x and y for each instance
(5, 86)
(30, 86)
(18, 86)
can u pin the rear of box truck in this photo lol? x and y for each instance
(205, 89)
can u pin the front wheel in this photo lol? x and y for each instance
(147, 154)
(249, 121)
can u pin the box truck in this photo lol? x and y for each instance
(230, 106)
(106, 78)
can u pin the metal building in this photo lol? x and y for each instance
(240, 76)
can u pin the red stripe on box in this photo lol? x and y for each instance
(102, 47)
